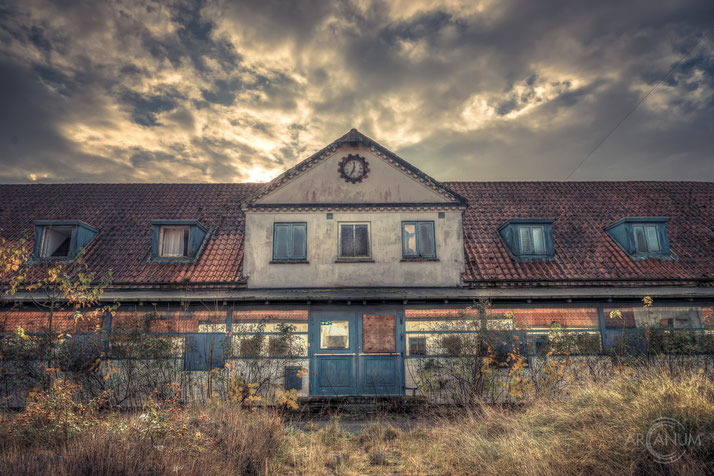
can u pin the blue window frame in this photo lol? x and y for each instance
(641, 237)
(61, 239)
(289, 241)
(204, 352)
(528, 238)
(418, 240)
(177, 239)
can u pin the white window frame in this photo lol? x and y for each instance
(187, 244)
(645, 229)
(533, 251)
(43, 247)
(339, 240)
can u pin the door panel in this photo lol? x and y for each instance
(379, 375)
(335, 373)
(356, 352)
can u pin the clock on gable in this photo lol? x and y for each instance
(353, 168)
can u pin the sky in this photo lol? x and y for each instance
(237, 91)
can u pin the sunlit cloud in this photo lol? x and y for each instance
(212, 91)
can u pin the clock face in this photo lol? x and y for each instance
(353, 168)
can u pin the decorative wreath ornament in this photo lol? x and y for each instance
(353, 168)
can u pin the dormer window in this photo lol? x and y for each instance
(528, 239)
(177, 239)
(646, 240)
(174, 241)
(532, 239)
(61, 239)
(56, 242)
(641, 237)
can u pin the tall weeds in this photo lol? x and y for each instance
(597, 429)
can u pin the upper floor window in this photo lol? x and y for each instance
(61, 239)
(290, 241)
(418, 239)
(646, 240)
(528, 238)
(177, 239)
(531, 239)
(56, 242)
(641, 237)
(354, 240)
(174, 241)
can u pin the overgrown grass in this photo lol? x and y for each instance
(593, 431)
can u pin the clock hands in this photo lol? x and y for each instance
(353, 168)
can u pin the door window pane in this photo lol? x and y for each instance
(334, 334)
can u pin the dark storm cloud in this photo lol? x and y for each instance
(217, 90)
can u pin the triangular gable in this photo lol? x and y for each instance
(390, 181)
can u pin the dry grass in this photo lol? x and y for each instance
(592, 432)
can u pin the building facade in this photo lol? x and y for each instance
(368, 264)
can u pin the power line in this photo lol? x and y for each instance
(639, 102)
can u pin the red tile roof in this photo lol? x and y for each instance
(581, 211)
(123, 214)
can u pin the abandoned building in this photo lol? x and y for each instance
(369, 262)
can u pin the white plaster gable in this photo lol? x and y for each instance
(387, 182)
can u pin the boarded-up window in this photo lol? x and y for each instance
(379, 333)
(354, 240)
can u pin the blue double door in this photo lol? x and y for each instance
(356, 352)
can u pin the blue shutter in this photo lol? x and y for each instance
(83, 235)
(292, 378)
(198, 233)
(204, 352)
(38, 240)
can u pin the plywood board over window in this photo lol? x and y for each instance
(379, 333)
